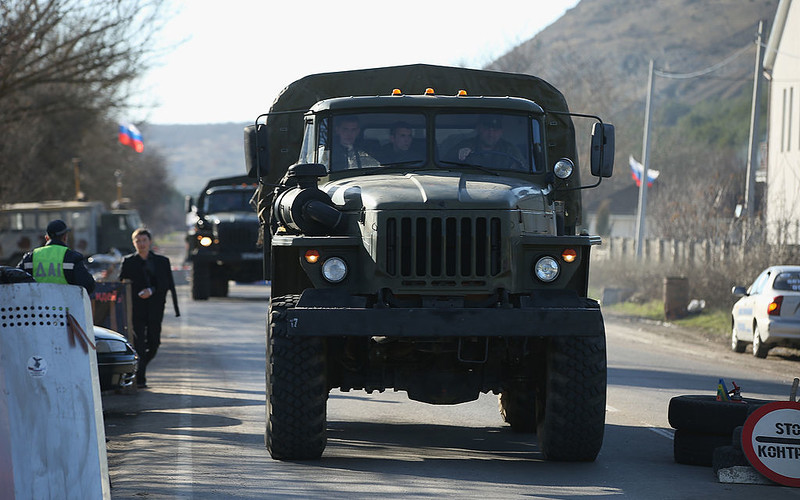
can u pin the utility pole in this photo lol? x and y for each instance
(642, 209)
(752, 157)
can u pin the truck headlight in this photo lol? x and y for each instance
(546, 269)
(205, 241)
(563, 168)
(334, 269)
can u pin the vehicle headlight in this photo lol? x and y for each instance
(563, 168)
(205, 241)
(546, 269)
(334, 269)
(109, 345)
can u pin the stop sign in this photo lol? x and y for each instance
(771, 441)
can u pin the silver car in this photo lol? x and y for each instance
(768, 314)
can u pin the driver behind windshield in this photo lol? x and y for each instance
(488, 148)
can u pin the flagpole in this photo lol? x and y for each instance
(642, 209)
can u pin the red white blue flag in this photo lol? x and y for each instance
(636, 172)
(129, 135)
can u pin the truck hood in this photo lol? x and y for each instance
(440, 190)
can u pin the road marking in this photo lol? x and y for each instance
(667, 433)
(185, 459)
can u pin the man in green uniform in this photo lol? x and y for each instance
(55, 262)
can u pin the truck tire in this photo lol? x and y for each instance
(297, 389)
(704, 414)
(518, 409)
(571, 401)
(697, 448)
(219, 282)
(201, 282)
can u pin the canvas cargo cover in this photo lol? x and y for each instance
(285, 131)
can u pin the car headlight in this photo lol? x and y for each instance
(110, 345)
(546, 269)
(563, 168)
(334, 269)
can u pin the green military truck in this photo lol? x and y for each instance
(222, 239)
(420, 228)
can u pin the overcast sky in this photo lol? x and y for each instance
(233, 58)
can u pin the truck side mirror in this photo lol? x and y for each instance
(187, 204)
(256, 153)
(602, 155)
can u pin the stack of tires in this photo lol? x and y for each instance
(708, 432)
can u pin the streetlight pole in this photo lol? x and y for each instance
(642, 209)
(752, 156)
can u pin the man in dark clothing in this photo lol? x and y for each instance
(151, 278)
(55, 262)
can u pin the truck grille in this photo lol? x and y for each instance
(461, 247)
(238, 237)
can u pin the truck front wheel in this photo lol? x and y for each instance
(297, 389)
(201, 281)
(571, 401)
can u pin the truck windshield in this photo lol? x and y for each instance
(228, 200)
(489, 140)
(369, 140)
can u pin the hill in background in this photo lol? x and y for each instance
(197, 153)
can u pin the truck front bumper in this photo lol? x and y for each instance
(324, 314)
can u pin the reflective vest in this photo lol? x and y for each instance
(48, 264)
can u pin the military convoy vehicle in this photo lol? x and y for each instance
(420, 234)
(221, 242)
(94, 228)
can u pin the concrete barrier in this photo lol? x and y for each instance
(52, 440)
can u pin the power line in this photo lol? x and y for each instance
(710, 69)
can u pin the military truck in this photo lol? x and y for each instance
(95, 228)
(221, 241)
(446, 272)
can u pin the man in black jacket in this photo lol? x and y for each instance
(151, 278)
(55, 262)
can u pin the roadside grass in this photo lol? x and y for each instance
(713, 322)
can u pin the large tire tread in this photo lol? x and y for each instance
(297, 390)
(571, 409)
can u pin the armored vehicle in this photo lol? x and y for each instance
(420, 225)
(221, 242)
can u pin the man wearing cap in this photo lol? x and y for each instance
(55, 262)
(488, 148)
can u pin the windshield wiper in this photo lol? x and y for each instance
(462, 164)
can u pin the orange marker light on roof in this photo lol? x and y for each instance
(429, 91)
(569, 255)
(312, 256)
(462, 92)
(397, 92)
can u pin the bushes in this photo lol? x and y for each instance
(710, 280)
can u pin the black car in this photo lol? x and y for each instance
(116, 360)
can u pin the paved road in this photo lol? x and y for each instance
(197, 432)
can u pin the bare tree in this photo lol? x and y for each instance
(96, 46)
(65, 70)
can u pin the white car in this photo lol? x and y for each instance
(768, 314)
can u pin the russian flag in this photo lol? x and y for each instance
(129, 135)
(636, 172)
